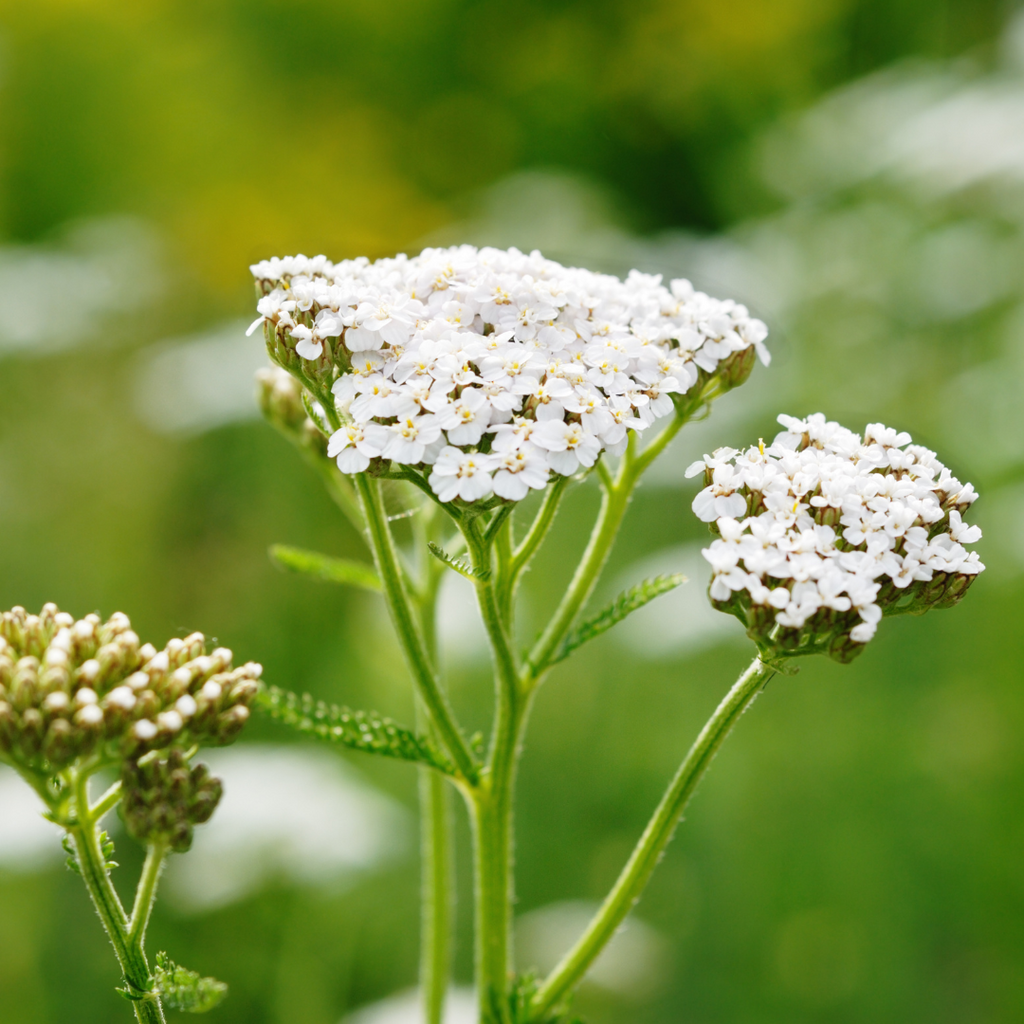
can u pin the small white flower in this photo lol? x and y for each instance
(465, 475)
(91, 714)
(144, 729)
(353, 446)
(409, 437)
(960, 531)
(568, 445)
(306, 345)
(465, 419)
(121, 697)
(519, 470)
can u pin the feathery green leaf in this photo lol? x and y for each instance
(462, 567)
(182, 989)
(358, 730)
(626, 603)
(324, 567)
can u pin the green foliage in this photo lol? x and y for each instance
(106, 848)
(462, 567)
(324, 567)
(185, 990)
(523, 989)
(626, 603)
(358, 730)
(72, 854)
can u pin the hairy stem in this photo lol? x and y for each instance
(106, 803)
(534, 537)
(492, 807)
(436, 893)
(427, 684)
(638, 870)
(145, 894)
(101, 891)
(614, 502)
(437, 852)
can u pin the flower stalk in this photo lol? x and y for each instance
(126, 936)
(656, 836)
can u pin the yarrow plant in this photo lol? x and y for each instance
(443, 389)
(433, 395)
(81, 699)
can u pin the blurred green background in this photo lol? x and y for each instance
(851, 169)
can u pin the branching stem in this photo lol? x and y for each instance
(145, 894)
(492, 804)
(127, 948)
(407, 628)
(638, 870)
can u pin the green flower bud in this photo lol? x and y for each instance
(280, 399)
(164, 798)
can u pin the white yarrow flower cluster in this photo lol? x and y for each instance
(822, 533)
(487, 370)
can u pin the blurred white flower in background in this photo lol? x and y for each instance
(405, 1008)
(461, 634)
(28, 842)
(288, 813)
(194, 383)
(633, 964)
(57, 296)
(681, 620)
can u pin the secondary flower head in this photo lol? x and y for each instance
(71, 690)
(824, 532)
(454, 361)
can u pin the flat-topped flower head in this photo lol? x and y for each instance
(824, 532)
(441, 360)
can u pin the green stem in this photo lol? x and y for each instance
(523, 554)
(437, 853)
(406, 627)
(617, 494)
(436, 893)
(145, 894)
(637, 872)
(106, 802)
(101, 891)
(338, 487)
(493, 890)
(506, 673)
(614, 502)
(493, 800)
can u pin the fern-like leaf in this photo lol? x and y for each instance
(461, 566)
(72, 854)
(626, 603)
(324, 567)
(184, 990)
(358, 730)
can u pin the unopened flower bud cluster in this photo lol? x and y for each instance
(73, 689)
(822, 533)
(164, 798)
(489, 369)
